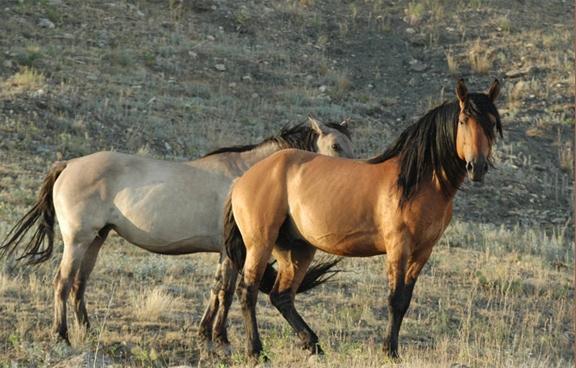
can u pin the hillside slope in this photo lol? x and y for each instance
(174, 79)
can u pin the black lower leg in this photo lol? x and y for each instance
(285, 305)
(247, 295)
(398, 303)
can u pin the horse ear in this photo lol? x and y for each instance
(461, 93)
(316, 125)
(494, 90)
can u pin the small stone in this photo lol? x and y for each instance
(322, 89)
(417, 66)
(255, 95)
(167, 146)
(410, 30)
(247, 78)
(211, 38)
(520, 72)
(370, 86)
(232, 85)
(45, 23)
(220, 67)
(192, 54)
(37, 93)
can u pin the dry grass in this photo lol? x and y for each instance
(151, 304)
(480, 58)
(26, 80)
(140, 78)
(415, 12)
(453, 66)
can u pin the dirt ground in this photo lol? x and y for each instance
(174, 79)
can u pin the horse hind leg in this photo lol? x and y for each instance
(254, 267)
(67, 278)
(225, 294)
(293, 263)
(205, 326)
(81, 278)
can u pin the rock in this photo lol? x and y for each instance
(417, 65)
(232, 85)
(515, 73)
(220, 67)
(410, 30)
(211, 38)
(322, 89)
(255, 95)
(87, 359)
(45, 23)
(246, 78)
(192, 54)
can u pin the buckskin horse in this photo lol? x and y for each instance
(398, 203)
(162, 206)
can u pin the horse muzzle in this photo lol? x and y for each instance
(476, 169)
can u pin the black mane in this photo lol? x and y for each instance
(429, 145)
(299, 136)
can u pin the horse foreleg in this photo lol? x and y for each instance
(398, 298)
(229, 275)
(401, 287)
(292, 267)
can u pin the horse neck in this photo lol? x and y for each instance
(237, 163)
(451, 192)
(249, 158)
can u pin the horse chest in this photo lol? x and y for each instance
(428, 227)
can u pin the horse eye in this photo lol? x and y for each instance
(336, 147)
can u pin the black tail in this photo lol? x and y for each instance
(316, 275)
(41, 214)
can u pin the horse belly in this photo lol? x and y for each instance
(346, 235)
(162, 219)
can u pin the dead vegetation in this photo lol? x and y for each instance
(174, 79)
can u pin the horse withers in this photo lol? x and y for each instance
(161, 206)
(398, 203)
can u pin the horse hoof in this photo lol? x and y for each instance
(223, 350)
(60, 340)
(314, 359)
(259, 361)
(265, 364)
